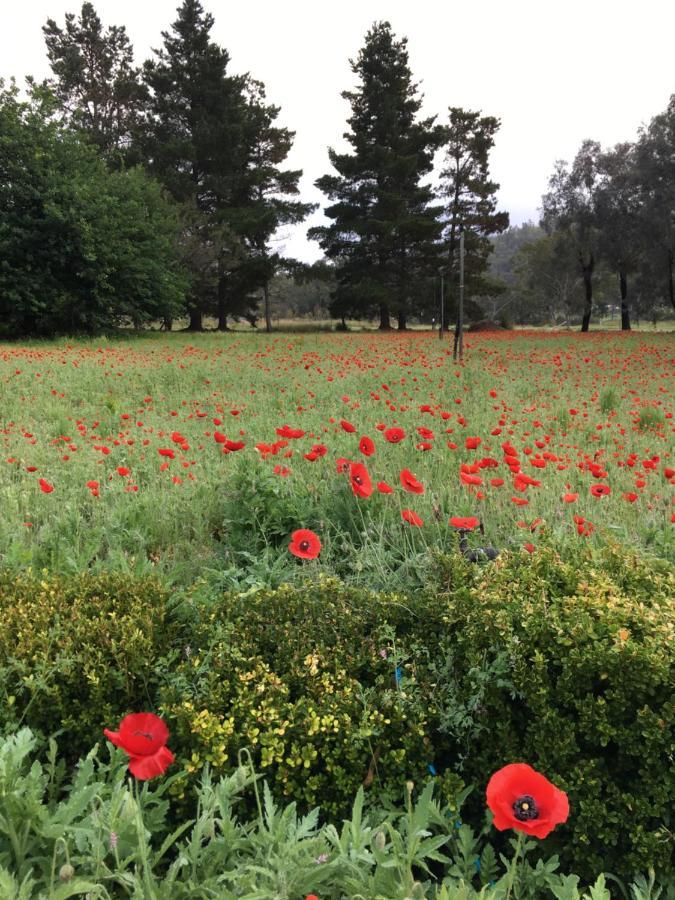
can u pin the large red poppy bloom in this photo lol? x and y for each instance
(523, 799)
(465, 523)
(360, 480)
(305, 544)
(410, 483)
(411, 517)
(394, 435)
(143, 737)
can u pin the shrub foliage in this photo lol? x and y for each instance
(565, 665)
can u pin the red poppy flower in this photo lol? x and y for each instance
(472, 443)
(466, 478)
(123, 471)
(45, 486)
(367, 446)
(410, 483)
(342, 465)
(523, 799)
(360, 480)
(394, 435)
(143, 737)
(570, 498)
(630, 496)
(600, 490)
(347, 426)
(465, 523)
(305, 544)
(384, 488)
(411, 517)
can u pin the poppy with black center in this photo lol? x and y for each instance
(360, 480)
(305, 544)
(525, 800)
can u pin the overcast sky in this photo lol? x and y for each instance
(554, 73)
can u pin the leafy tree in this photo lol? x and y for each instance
(384, 231)
(569, 206)
(95, 81)
(547, 280)
(617, 208)
(82, 249)
(195, 142)
(655, 170)
(470, 202)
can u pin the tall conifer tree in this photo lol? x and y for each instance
(384, 229)
(95, 81)
(471, 202)
(195, 143)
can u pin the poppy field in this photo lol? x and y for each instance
(337, 572)
(198, 458)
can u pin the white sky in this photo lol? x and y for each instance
(555, 73)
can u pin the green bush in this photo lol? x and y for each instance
(77, 653)
(565, 665)
(589, 696)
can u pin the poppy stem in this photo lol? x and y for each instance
(513, 868)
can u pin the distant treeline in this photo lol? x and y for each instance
(132, 195)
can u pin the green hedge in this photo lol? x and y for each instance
(565, 665)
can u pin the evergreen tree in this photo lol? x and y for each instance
(196, 144)
(471, 202)
(95, 81)
(384, 231)
(262, 204)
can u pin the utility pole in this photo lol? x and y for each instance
(442, 328)
(459, 331)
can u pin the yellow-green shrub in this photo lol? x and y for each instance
(78, 653)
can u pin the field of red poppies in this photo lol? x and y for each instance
(201, 456)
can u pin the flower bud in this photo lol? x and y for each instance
(66, 872)
(379, 840)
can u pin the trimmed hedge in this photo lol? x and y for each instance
(565, 665)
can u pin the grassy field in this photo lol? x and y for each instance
(196, 457)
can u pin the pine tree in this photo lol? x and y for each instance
(384, 231)
(95, 81)
(471, 202)
(196, 144)
(262, 204)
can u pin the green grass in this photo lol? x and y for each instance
(226, 519)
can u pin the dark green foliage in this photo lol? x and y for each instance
(566, 666)
(384, 228)
(655, 164)
(95, 81)
(82, 249)
(470, 203)
(194, 142)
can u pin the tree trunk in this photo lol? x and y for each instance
(402, 320)
(268, 313)
(671, 286)
(587, 267)
(222, 304)
(196, 320)
(625, 313)
(384, 317)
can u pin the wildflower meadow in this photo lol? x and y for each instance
(340, 616)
